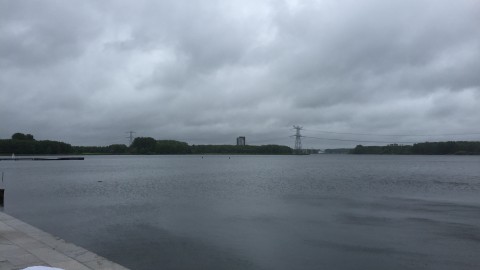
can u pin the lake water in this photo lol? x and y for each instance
(258, 212)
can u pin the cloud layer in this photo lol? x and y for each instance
(86, 73)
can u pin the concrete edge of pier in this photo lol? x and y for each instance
(22, 245)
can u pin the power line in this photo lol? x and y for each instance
(345, 140)
(395, 135)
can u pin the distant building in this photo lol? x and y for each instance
(241, 140)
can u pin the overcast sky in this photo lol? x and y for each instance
(204, 72)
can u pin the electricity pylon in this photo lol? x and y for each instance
(130, 137)
(298, 140)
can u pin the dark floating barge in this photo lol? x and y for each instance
(43, 159)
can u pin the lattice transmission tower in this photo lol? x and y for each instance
(298, 139)
(130, 137)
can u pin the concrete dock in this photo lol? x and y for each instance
(42, 158)
(22, 245)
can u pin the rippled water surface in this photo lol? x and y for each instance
(258, 212)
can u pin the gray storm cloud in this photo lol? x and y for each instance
(86, 73)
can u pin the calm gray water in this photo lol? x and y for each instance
(258, 212)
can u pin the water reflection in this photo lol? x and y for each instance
(259, 212)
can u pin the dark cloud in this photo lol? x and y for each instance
(206, 73)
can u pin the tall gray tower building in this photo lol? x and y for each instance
(241, 140)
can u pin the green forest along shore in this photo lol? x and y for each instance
(25, 144)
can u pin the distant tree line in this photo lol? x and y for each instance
(426, 148)
(270, 149)
(147, 145)
(114, 149)
(25, 144)
(307, 151)
(338, 151)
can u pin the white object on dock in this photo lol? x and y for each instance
(41, 268)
